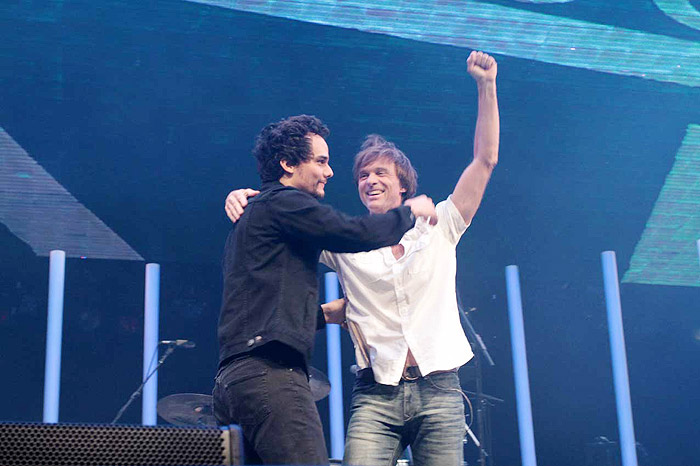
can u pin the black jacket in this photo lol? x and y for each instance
(270, 261)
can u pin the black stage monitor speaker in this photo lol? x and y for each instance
(35, 444)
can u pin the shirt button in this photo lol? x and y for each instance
(258, 338)
(251, 342)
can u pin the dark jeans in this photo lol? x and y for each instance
(269, 396)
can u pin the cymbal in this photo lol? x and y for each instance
(187, 409)
(320, 386)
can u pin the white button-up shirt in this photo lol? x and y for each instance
(410, 302)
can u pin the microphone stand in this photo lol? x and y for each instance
(138, 391)
(472, 335)
(481, 401)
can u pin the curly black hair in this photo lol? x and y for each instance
(286, 140)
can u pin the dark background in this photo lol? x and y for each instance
(146, 112)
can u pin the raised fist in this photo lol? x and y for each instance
(482, 66)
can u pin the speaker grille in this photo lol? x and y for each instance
(29, 444)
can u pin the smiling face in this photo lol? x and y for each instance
(379, 186)
(311, 175)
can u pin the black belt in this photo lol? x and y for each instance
(410, 373)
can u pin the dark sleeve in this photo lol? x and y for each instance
(304, 218)
(320, 319)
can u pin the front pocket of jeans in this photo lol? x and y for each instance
(362, 387)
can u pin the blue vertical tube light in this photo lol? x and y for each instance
(335, 374)
(522, 381)
(619, 359)
(54, 331)
(150, 344)
(698, 245)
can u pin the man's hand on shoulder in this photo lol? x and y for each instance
(422, 206)
(236, 201)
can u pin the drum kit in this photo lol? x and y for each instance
(195, 409)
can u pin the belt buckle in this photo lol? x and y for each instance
(411, 373)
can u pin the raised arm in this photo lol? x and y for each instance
(472, 183)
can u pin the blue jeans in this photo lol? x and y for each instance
(427, 414)
(269, 396)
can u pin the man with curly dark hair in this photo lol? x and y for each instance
(270, 308)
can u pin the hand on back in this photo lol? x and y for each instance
(236, 202)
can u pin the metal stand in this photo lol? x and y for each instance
(137, 392)
(483, 424)
(483, 417)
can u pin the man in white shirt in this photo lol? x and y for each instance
(401, 302)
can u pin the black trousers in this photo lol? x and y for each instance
(267, 393)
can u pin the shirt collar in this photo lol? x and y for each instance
(270, 185)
